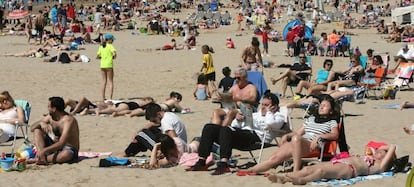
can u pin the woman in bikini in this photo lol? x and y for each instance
(129, 108)
(343, 168)
(251, 56)
(351, 76)
(172, 104)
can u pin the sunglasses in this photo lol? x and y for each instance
(302, 57)
(329, 64)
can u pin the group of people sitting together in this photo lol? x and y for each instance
(336, 83)
(252, 119)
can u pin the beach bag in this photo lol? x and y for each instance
(401, 164)
(112, 161)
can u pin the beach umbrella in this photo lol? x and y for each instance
(17, 14)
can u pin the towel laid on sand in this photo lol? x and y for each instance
(88, 155)
(335, 182)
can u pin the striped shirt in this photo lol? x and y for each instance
(313, 129)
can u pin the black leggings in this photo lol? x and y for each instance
(227, 137)
(146, 140)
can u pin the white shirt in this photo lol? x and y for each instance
(407, 55)
(271, 120)
(171, 121)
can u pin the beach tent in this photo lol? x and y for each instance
(403, 15)
(308, 29)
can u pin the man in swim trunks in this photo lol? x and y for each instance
(56, 135)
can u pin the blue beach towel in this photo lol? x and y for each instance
(335, 182)
(388, 106)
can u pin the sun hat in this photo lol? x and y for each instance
(109, 36)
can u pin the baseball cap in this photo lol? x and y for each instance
(109, 36)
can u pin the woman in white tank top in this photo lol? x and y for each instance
(9, 115)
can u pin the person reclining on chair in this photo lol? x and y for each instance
(351, 76)
(9, 115)
(56, 135)
(310, 137)
(344, 168)
(299, 71)
(324, 76)
(239, 135)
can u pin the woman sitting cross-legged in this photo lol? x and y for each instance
(310, 137)
(343, 168)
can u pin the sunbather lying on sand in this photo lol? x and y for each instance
(406, 104)
(343, 168)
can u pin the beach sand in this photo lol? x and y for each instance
(156, 74)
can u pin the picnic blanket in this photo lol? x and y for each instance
(335, 182)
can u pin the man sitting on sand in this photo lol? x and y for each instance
(161, 123)
(62, 148)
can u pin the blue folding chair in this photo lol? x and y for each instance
(26, 106)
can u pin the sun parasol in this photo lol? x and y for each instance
(17, 14)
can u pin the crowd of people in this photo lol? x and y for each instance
(245, 122)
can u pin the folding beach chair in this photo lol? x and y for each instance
(26, 106)
(373, 82)
(363, 60)
(286, 128)
(404, 76)
(308, 75)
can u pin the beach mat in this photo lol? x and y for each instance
(89, 155)
(388, 106)
(336, 182)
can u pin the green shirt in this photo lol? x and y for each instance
(107, 54)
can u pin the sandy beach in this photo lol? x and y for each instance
(156, 74)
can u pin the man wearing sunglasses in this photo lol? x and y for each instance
(297, 72)
(242, 93)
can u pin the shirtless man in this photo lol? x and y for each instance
(251, 56)
(62, 148)
(243, 92)
(40, 25)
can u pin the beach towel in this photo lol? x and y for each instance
(388, 106)
(336, 182)
(88, 155)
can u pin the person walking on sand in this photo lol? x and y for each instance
(107, 53)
